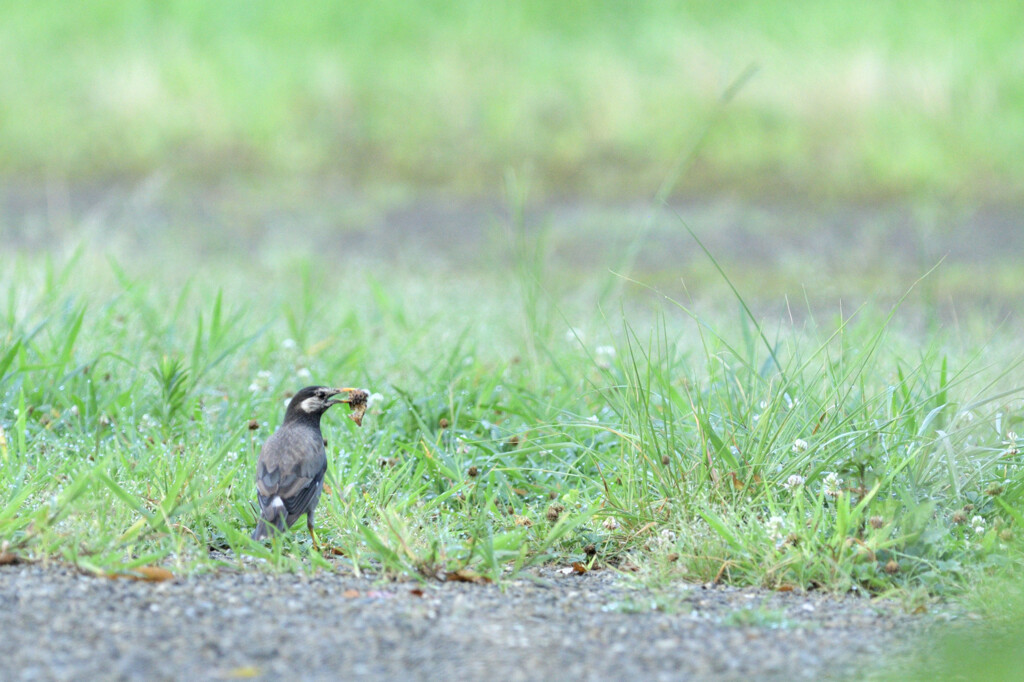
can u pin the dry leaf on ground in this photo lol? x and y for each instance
(151, 574)
(465, 575)
(8, 559)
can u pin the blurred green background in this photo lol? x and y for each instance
(852, 100)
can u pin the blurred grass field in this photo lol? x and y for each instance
(850, 100)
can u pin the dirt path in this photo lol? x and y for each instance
(779, 251)
(59, 624)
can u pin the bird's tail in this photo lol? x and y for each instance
(274, 515)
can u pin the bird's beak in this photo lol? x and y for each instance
(351, 393)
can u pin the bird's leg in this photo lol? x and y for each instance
(312, 533)
(327, 549)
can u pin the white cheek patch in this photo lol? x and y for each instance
(310, 405)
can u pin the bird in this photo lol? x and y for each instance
(292, 462)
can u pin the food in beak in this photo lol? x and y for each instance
(356, 399)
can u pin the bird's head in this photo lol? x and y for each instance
(314, 400)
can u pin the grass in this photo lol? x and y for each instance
(850, 100)
(982, 646)
(514, 426)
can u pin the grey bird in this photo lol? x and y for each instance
(292, 463)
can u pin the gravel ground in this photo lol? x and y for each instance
(60, 624)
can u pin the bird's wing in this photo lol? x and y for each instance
(291, 465)
(300, 502)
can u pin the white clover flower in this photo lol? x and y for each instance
(776, 527)
(1011, 436)
(604, 356)
(261, 382)
(610, 523)
(575, 337)
(978, 521)
(593, 418)
(289, 344)
(793, 482)
(800, 445)
(303, 373)
(832, 485)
